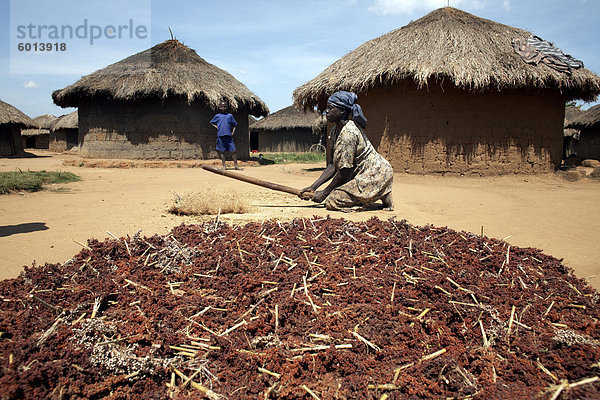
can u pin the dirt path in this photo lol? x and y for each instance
(547, 212)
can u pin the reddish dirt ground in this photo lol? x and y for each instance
(547, 212)
(313, 308)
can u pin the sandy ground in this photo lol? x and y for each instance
(547, 212)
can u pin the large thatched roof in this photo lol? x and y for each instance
(445, 45)
(68, 121)
(169, 69)
(589, 118)
(13, 116)
(288, 118)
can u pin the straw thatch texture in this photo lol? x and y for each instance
(44, 121)
(288, 118)
(571, 114)
(10, 115)
(167, 70)
(68, 121)
(446, 45)
(588, 119)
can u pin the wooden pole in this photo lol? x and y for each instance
(254, 181)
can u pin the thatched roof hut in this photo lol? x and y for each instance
(39, 136)
(157, 104)
(448, 93)
(12, 121)
(64, 134)
(287, 130)
(588, 125)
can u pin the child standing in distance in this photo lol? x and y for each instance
(225, 124)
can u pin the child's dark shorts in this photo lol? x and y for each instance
(225, 143)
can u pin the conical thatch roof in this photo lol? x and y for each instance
(589, 118)
(287, 118)
(11, 115)
(169, 69)
(445, 45)
(68, 121)
(572, 113)
(44, 121)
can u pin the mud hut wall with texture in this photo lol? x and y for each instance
(36, 138)
(446, 130)
(11, 142)
(588, 146)
(154, 129)
(63, 139)
(12, 121)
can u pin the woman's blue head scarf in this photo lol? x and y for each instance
(347, 101)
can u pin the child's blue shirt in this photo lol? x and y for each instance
(224, 123)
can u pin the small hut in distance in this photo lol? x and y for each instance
(38, 137)
(571, 136)
(287, 130)
(448, 93)
(64, 132)
(158, 104)
(12, 121)
(588, 124)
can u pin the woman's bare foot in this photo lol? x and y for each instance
(388, 203)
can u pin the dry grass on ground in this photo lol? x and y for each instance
(210, 202)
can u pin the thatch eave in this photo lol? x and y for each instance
(67, 121)
(12, 116)
(588, 119)
(447, 46)
(287, 118)
(167, 70)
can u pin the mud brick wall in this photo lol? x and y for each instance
(447, 130)
(58, 140)
(589, 144)
(171, 129)
(286, 140)
(11, 141)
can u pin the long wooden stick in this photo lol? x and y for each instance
(254, 181)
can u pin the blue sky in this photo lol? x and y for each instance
(271, 46)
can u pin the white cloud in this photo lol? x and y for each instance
(31, 85)
(506, 5)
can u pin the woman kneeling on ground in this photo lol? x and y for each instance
(359, 175)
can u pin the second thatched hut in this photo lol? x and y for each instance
(588, 125)
(12, 121)
(158, 104)
(448, 94)
(38, 137)
(64, 132)
(287, 130)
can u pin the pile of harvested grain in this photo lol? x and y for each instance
(314, 308)
(211, 201)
